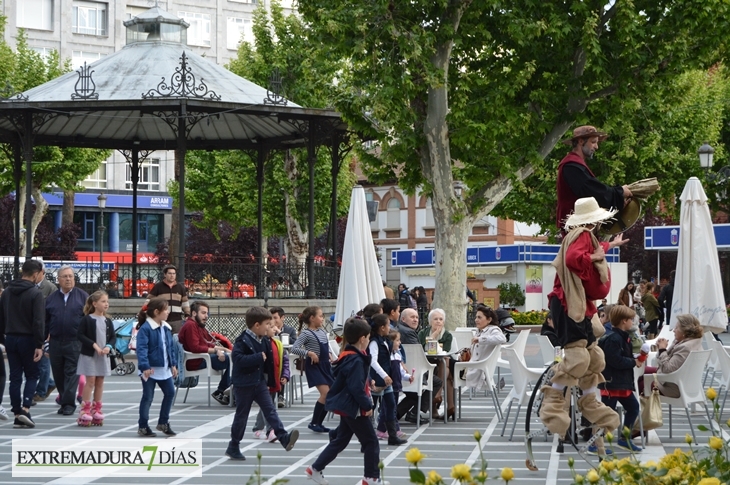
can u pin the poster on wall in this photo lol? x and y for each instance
(533, 279)
(489, 301)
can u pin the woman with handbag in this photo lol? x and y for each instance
(619, 370)
(488, 336)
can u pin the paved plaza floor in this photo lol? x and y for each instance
(443, 444)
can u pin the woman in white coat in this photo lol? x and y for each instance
(488, 336)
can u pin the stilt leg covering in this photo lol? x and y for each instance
(596, 364)
(553, 413)
(574, 364)
(600, 415)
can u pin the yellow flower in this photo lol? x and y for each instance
(688, 439)
(507, 474)
(414, 456)
(433, 478)
(716, 443)
(711, 393)
(477, 435)
(482, 477)
(709, 481)
(609, 437)
(592, 476)
(579, 479)
(728, 422)
(649, 464)
(461, 472)
(608, 465)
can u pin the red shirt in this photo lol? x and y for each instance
(195, 339)
(578, 261)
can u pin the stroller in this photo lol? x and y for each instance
(123, 331)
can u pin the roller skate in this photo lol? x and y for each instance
(98, 417)
(85, 417)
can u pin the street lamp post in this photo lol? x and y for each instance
(102, 206)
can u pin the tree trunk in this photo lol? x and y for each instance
(41, 207)
(67, 216)
(21, 204)
(297, 242)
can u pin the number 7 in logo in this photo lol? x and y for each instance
(153, 449)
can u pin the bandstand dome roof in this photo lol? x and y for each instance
(135, 97)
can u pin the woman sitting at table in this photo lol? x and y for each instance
(488, 337)
(687, 338)
(437, 331)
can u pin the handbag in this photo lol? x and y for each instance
(133, 340)
(300, 364)
(465, 354)
(651, 411)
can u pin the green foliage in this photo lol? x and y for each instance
(529, 318)
(222, 185)
(511, 294)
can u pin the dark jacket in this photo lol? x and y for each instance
(249, 367)
(550, 333)
(63, 317)
(384, 350)
(407, 334)
(446, 339)
(21, 311)
(149, 346)
(87, 334)
(620, 362)
(347, 396)
(665, 298)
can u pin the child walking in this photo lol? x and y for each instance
(350, 399)
(253, 370)
(313, 346)
(156, 358)
(262, 429)
(97, 337)
(398, 372)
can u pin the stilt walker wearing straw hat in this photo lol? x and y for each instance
(576, 180)
(582, 278)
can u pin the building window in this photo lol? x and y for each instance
(79, 57)
(44, 51)
(96, 180)
(429, 214)
(393, 213)
(238, 29)
(149, 177)
(199, 30)
(89, 18)
(370, 197)
(131, 12)
(35, 14)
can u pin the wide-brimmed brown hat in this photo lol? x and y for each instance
(586, 131)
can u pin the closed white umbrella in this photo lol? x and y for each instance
(360, 280)
(697, 284)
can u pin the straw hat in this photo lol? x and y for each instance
(587, 212)
(586, 131)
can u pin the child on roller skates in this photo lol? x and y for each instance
(97, 337)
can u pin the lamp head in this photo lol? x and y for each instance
(706, 153)
(102, 201)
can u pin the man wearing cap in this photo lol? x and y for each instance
(576, 180)
(582, 277)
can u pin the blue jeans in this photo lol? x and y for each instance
(365, 433)
(245, 396)
(148, 394)
(630, 405)
(218, 365)
(45, 381)
(20, 349)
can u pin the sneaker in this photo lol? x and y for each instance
(289, 440)
(401, 435)
(382, 435)
(260, 434)
(3, 414)
(227, 392)
(281, 403)
(20, 424)
(24, 417)
(50, 390)
(373, 481)
(68, 410)
(318, 428)
(234, 453)
(39, 398)
(146, 432)
(165, 428)
(593, 450)
(221, 398)
(628, 445)
(315, 476)
(271, 438)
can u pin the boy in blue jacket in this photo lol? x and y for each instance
(253, 374)
(349, 397)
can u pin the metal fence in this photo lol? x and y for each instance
(236, 278)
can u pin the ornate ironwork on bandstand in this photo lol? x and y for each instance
(85, 87)
(182, 85)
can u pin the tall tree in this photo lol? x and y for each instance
(483, 91)
(223, 185)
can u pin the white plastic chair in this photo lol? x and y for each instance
(461, 339)
(723, 364)
(206, 372)
(295, 374)
(547, 350)
(709, 344)
(488, 365)
(690, 386)
(518, 346)
(334, 348)
(522, 376)
(416, 359)
(666, 333)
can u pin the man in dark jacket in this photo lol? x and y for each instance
(22, 327)
(64, 311)
(665, 297)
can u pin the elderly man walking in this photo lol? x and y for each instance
(64, 311)
(21, 326)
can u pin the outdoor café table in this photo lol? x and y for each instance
(445, 371)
